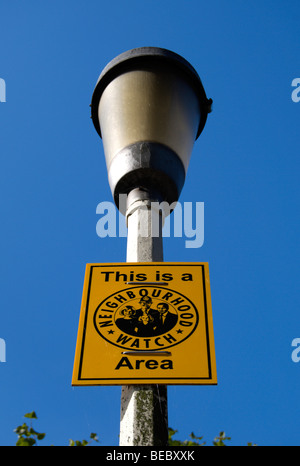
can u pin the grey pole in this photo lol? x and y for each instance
(144, 409)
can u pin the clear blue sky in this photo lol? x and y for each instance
(245, 168)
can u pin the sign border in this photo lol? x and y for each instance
(211, 379)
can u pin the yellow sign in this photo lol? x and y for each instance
(145, 323)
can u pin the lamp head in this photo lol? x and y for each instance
(149, 106)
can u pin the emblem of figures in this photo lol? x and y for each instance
(146, 318)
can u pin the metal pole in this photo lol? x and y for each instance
(144, 408)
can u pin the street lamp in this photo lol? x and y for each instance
(149, 106)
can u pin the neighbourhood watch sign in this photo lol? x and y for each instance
(145, 323)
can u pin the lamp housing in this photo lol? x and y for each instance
(149, 106)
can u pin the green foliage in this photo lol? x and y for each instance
(186, 443)
(219, 441)
(83, 443)
(27, 436)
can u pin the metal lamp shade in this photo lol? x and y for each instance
(149, 106)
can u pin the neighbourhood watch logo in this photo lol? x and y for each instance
(146, 318)
(186, 221)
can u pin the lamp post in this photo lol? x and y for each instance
(148, 107)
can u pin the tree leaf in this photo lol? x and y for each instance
(31, 415)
